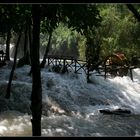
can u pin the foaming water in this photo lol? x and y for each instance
(70, 104)
(14, 123)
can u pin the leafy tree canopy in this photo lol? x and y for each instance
(13, 16)
(80, 17)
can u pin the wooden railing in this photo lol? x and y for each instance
(77, 65)
(67, 61)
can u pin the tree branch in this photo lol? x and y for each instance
(134, 11)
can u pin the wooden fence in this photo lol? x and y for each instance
(77, 65)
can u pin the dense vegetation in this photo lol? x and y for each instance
(119, 31)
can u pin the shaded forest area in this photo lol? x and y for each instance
(119, 31)
(88, 32)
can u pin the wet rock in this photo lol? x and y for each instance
(116, 111)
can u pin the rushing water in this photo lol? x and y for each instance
(70, 104)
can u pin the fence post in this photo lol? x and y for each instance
(75, 65)
(88, 67)
(131, 74)
(105, 71)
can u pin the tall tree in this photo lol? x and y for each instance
(12, 16)
(26, 50)
(8, 44)
(26, 58)
(13, 68)
(49, 21)
(36, 96)
(42, 65)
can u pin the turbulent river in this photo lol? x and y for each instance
(70, 104)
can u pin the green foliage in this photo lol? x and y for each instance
(82, 18)
(13, 16)
(50, 17)
(111, 26)
(119, 30)
(64, 41)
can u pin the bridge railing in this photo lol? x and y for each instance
(67, 61)
(77, 65)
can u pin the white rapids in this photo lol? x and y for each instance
(70, 104)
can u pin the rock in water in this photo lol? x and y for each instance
(116, 111)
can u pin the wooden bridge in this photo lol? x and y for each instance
(68, 62)
(75, 65)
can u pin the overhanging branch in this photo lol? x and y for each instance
(134, 11)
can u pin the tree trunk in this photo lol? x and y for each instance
(42, 65)
(36, 96)
(30, 44)
(13, 68)
(26, 51)
(8, 45)
(25, 40)
(25, 60)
